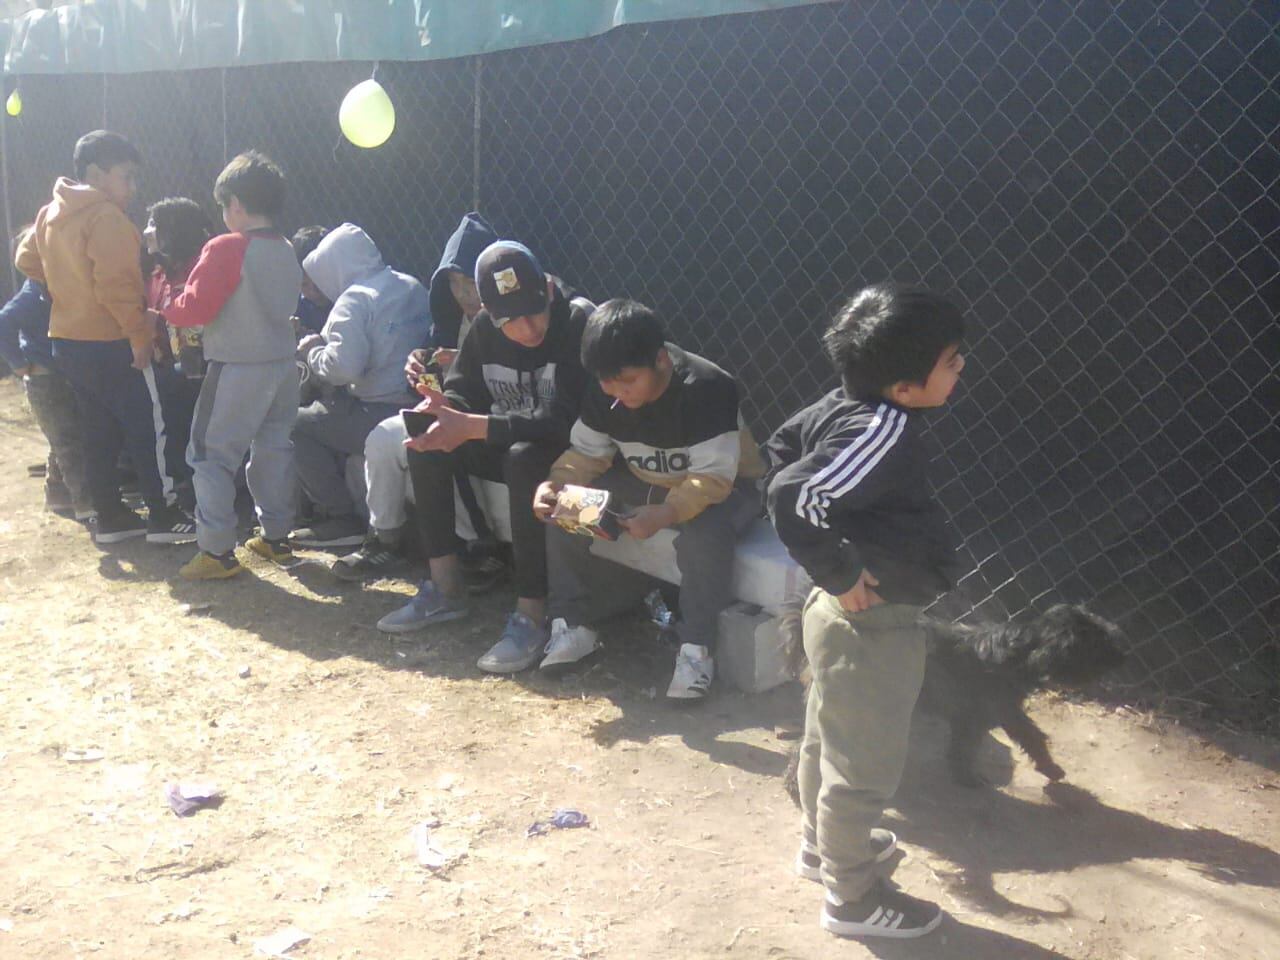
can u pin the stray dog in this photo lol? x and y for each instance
(977, 677)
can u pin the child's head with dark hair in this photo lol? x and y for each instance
(103, 149)
(897, 343)
(306, 239)
(108, 162)
(176, 230)
(624, 347)
(250, 185)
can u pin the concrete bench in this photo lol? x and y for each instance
(765, 581)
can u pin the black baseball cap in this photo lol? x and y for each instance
(510, 281)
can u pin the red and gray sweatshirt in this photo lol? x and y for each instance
(243, 291)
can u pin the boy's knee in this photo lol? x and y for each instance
(385, 443)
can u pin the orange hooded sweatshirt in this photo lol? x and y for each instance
(86, 251)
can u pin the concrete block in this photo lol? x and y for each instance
(749, 652)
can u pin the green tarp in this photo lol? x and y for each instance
(134, 36)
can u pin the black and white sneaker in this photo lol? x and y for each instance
(170, 525)
(883, 912)
(345, 531)
(118, 525)
(694, 672)
(373, 559)
(809, 865)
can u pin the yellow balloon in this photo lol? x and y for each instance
(367, 116)
(13, 106)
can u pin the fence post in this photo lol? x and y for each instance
(4, 187)
(475, 137)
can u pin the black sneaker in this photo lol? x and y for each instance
(884, 843)
(118, 525)
(883, 912)
(57, 498)
(373, 559)
(484, 568)
(331, 532)
(170, 525)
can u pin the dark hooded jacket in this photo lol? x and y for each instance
(460, 255)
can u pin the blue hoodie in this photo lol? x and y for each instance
(24, 328)
(460, 256)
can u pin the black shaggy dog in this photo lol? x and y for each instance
(977, 677)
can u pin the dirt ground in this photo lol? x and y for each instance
(1161, 844)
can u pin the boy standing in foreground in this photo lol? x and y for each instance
(848, 498)
(243, 291)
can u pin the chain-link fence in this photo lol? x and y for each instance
(1096, 182)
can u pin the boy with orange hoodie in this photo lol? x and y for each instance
(85, 250)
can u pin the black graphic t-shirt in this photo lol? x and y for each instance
(528, 393)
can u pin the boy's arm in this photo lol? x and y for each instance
(712, 414)
(464, 385)
(844, 473)
(211, 282)
(114, 249)
(342, 359)
(591, 450)
(28, 259)
(25, 311)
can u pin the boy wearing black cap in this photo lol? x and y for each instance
(509, 400)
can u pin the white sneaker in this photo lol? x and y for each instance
(568, 644)
(694, 671)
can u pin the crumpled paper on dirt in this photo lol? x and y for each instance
(562, 819)
(280, 943)
(186, 798)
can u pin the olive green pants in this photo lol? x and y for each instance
(867, 670)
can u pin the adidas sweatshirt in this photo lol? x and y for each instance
(690, 440)
(847, 491)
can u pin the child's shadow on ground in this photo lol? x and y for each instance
(1007, 834)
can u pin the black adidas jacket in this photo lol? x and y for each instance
(528, 393)
(847, 490)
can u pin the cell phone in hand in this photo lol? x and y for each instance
(416, 422)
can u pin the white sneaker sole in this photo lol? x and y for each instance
(118, 536)
(354, 540)
(443, 617)
(845, 928)
(171, 537)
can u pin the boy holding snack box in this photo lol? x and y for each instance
(673, 416)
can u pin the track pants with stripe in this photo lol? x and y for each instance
(244, 408)
(119, 408)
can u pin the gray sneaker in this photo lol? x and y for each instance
(428, 606)
(519, 649)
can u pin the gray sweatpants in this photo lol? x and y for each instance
(244, 407)
(329, 431)
(585, 588)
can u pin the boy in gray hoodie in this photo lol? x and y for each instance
(378, 316)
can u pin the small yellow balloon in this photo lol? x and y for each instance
(13, 106)
(367, 116)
